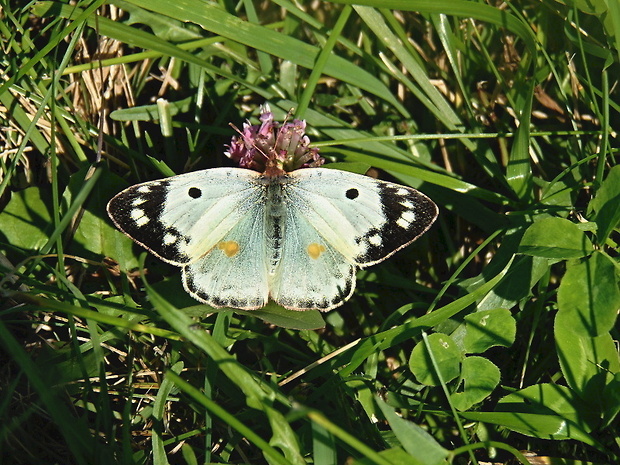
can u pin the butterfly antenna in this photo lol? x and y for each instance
(286, 118)
(232, 125)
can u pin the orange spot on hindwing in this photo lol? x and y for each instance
(315, 250)
(230, 248)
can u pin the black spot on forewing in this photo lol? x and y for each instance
(408, 214)
(137, 212)
(194, 192)
(352, 193)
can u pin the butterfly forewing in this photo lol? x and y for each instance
(367, 220)
(181, 218)
(408, 214)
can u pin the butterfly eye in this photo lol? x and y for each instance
(194, 192)
(352, 194)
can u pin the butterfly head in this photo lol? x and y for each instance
(271, 149)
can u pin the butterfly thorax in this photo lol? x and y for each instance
(274, 167)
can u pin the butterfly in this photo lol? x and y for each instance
(244, 237)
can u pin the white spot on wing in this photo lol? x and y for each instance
(403, 223)
(408, 216)
(402, 192)
(142, 221)
(375, 240)
(170, 239)
(137, 214)
(138, 201)
(139, 217)
(407, 204)
(144, 189)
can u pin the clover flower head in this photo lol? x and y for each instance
(271, 149)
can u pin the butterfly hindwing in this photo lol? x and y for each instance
(311, 273)
(234, 272)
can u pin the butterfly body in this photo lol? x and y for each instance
(244, 237)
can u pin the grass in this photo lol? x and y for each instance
(493, 334)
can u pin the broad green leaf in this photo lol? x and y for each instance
(283, 437)
(364, 396)
(611, 399)
(324, 448)
(27, 220)
(188, 454)
(555, 238)
(479, 378)
(571, 416)
(544, 425)
(588, 363)
(606, 205)
(524, 273)
(489, 328)
(280, 316)
(556, 194)
(447, 357)
(588, 297)
(117, 246)
(96, 235)
(420, 445)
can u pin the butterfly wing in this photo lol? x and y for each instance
(365, 219)
(311, 273)
(233, 273)
(181, 218)
(338, 221)
(209, 222)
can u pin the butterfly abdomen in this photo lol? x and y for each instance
(275, 211)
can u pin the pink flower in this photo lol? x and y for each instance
(272, 150)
